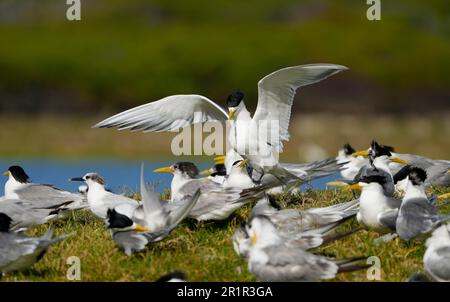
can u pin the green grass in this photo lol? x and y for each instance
(204, 250)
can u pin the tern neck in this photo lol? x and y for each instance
(239, 178)
(95, 191)
(382, 163)
(178, 181)
(11, 186)
(242, 114)
(413, 192)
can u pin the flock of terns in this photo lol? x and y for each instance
(279, 244)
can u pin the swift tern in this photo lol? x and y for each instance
(271, 259)
(417, 216)
(19, 252)
(20, 187)
(436, 259)
(351, 164)
(131, 236)
(100, 199)
(216, 202)
(150, 222)
(276, 93)
(377, 210)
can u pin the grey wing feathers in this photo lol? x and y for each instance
(176, 215)
(416, 217)
(389, 218)
(13, 246)
(314, 170)
(150, 200)
(439, 266)
(47, 196)
(168, 114)
(286, 264)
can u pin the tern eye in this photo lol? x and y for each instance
(88, 177)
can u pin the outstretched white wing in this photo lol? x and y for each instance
(168, 114)
(276, 93)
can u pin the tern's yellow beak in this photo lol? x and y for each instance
(253, 239)
(337, 184)
(399, 161)
(140, 228)
(243, 163)
(164, 170)
(219, 158)
(444, 196)
(205, 172)
(364, 153)
(354, 187)
(231, 112)
(6, 173)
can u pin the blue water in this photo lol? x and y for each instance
(120, 175)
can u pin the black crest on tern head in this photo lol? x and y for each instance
(5, 222)
(219, 170)
(186, 167)
(117, 220)
(348, 149)
(417, 176)
(402, 173)
(95, 177)
(19, 174)
(235, 98)
(374, 178)
(380, 150)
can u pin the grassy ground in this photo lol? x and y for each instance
(204, 250)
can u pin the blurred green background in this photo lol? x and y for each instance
(125, 53)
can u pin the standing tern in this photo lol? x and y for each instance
(216, 202)
(417, 216)
(19, 252)
(377, 210)
(100, 199)
(20, 187)
(352, 164)
(436, 259)
(271, 259)
(276, 93)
